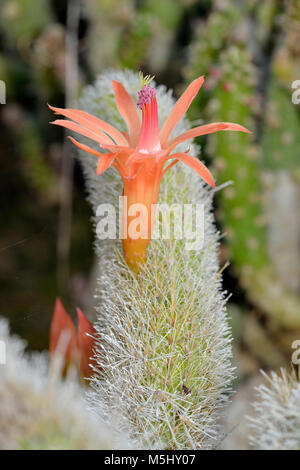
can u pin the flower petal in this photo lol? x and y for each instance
(180, 109)
(62, 335)
(105, 159)
(138, 157)
(104, 162)
(86, 148)
(91, 122)
(116, 148)
(126, 136)
(128, 111)
(99, 136)
(169, 166)
(207, 129)
(196, 165)
(86, 341)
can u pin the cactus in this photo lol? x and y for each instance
(125, 34)
(108, 20)
(244, 207)
(276, 425)
(210, 38)
(281, 137)
(243, 213)
(281, 140)
(164, 347)
(24, 19)
(280, 146)
(150, 37)
(40, 411)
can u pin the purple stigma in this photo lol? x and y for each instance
(145, 95)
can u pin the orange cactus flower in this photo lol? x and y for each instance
(141, 154)
(77, 349)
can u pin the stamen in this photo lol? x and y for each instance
(145, 80)
(145, 95)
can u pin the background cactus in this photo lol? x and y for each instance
(244, 93)
(108, 22)
(277, 422)
(164, 355)
(40, 411)
(133, 34)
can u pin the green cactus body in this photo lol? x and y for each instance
(281, 139)
(109, 20)
(149, 39)
(211, 38)
(235, 159)
(280, 147)
(128, 35)
(253, 166)
(243, 203)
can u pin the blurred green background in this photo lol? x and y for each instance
(249, 52)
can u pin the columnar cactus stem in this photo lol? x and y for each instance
(132, 34)
(253, 165)
(242, 203)
(276, 425)
(165, 343)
